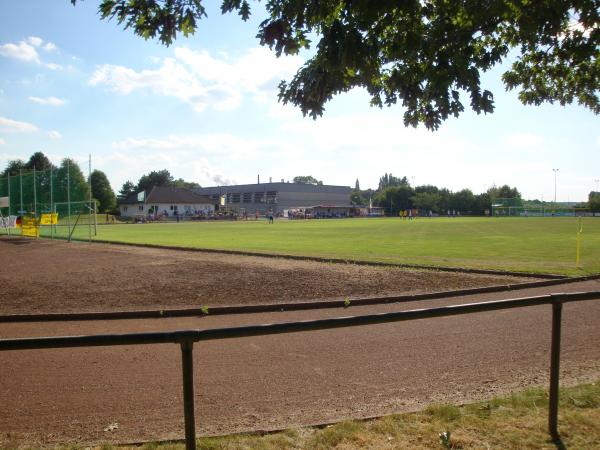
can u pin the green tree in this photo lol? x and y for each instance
(70, 183)
(427, 201)
(39, 162)
(389, 180)
(426, 55)
(181, 183)
(127, 189)
(594, 201)
(102, 192)
(395, 198)
(462, 201)
(504, 191)
(13, 168)
(154, 178)
(308, 179)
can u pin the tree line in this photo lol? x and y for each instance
(396, 194)
(78, 185)
(154, 178)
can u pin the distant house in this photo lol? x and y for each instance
(166, 201)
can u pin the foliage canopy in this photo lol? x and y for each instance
(424, 54)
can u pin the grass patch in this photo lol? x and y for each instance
(534, 244)
(518, 421)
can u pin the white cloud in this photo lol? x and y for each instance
(210, 144)
(53, 134)
(53, 66)
(27, 51)
(49, 47)
(21, 51)
(123, 165)
(2, 141)
(53, 101)
(35, 41)
(201, 80)
(14, 126)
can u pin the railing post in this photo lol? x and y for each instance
(187, 366)
(554, 370)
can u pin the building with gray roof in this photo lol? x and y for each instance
(277, 197)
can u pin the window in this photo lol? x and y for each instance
(271, 196)
(173, 207)
(247, 197)
(124, 208)
(141, 207)
(259, 197)
(235, 198)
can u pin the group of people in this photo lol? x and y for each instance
(409, 214)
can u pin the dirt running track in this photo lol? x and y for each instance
(262, 383)
(283, 381)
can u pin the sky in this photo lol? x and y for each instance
(206, 109)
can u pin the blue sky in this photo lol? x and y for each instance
(206, 109)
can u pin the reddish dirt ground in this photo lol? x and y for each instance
(274, 382)
(52, 276)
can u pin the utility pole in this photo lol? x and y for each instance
(555, 172)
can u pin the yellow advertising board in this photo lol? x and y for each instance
(30, 227)
(49, 219)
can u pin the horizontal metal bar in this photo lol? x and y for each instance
(286, 327)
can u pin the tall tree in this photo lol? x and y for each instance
(127, 189)
(102, 191)
(395, 198)
(13, 168)
(181, 183)
(39, 162)
(389, 180)
(594, 201)
(426, 55)
(154, 178)
(73, 186)
(308, 179)
(427, 201)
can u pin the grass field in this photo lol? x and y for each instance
(515, 422)
(540, 245)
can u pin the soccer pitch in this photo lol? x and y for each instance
(541, 245)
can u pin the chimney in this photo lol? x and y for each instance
(258, 181)
(270, 180)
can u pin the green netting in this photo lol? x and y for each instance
(63, 190)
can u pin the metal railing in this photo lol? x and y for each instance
(186, 339)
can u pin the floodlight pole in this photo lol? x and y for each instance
(34, 195)
(21, 189)
(52, 208)
(90, 205)
(69, 199)
(555, 172)
(9, 193)
(8, 202)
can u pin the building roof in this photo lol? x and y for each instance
(167, 194)
(281, 187)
